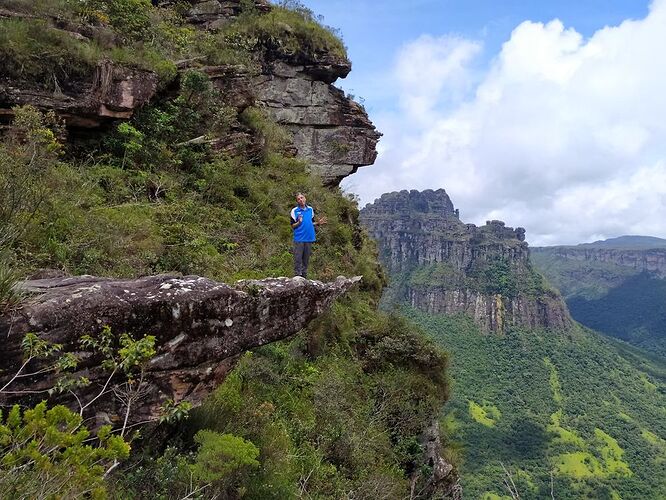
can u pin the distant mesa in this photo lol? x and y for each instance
(441, 265)
(639, 253)
(628, 241)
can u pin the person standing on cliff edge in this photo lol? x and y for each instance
(303, 223)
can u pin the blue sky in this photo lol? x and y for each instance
(373, 31)
(545, 114)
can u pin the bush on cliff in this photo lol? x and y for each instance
(289, 28)
(46, 453)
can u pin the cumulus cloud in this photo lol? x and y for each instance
(432, 69)
(563, 135)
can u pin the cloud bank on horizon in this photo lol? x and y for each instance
(563, 135)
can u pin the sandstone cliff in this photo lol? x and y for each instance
(329, 130)
(201, 326)
(651, 260)
(442, 265)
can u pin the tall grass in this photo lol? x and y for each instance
(31, 49)
(9, 276)
(290, 29)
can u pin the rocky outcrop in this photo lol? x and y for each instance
(443, 480)
(201, 327)
(329, 130)
(215, 14)
(651, 260)
(415, 229)
(442, 265)
(112, 92)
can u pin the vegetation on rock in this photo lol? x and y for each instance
(616, 300)
(195, 184)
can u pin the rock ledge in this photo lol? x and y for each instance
(201, 326)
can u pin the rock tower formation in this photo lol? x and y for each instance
(443, 266)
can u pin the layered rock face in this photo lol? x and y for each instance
(215, 14)
(201, 327)
(330, 131)
(442, 265)
(652, 260)
(493, 312)
(112, 92)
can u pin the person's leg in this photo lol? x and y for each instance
(298, 258)
(307, 250)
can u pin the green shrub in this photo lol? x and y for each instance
(46, 453)
(222, 457)
(30, 49)
(274, 138)
(131, 18)
(289, 29)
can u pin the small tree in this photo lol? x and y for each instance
(49, 453)
(30, 148)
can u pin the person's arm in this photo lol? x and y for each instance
(295, 223)
(321, 221)
(318, 222)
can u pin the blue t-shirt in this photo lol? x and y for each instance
(305, 233)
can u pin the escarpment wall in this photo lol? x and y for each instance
(443, 266)
(652, 260)
(493, 312)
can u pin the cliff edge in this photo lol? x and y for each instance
(265, 64)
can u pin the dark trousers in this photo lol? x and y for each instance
(302, 253)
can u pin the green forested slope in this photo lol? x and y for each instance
(615, 300)
(580, 407)
(337, 411)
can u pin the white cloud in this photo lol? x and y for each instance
(431, 70)
(563, 135)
